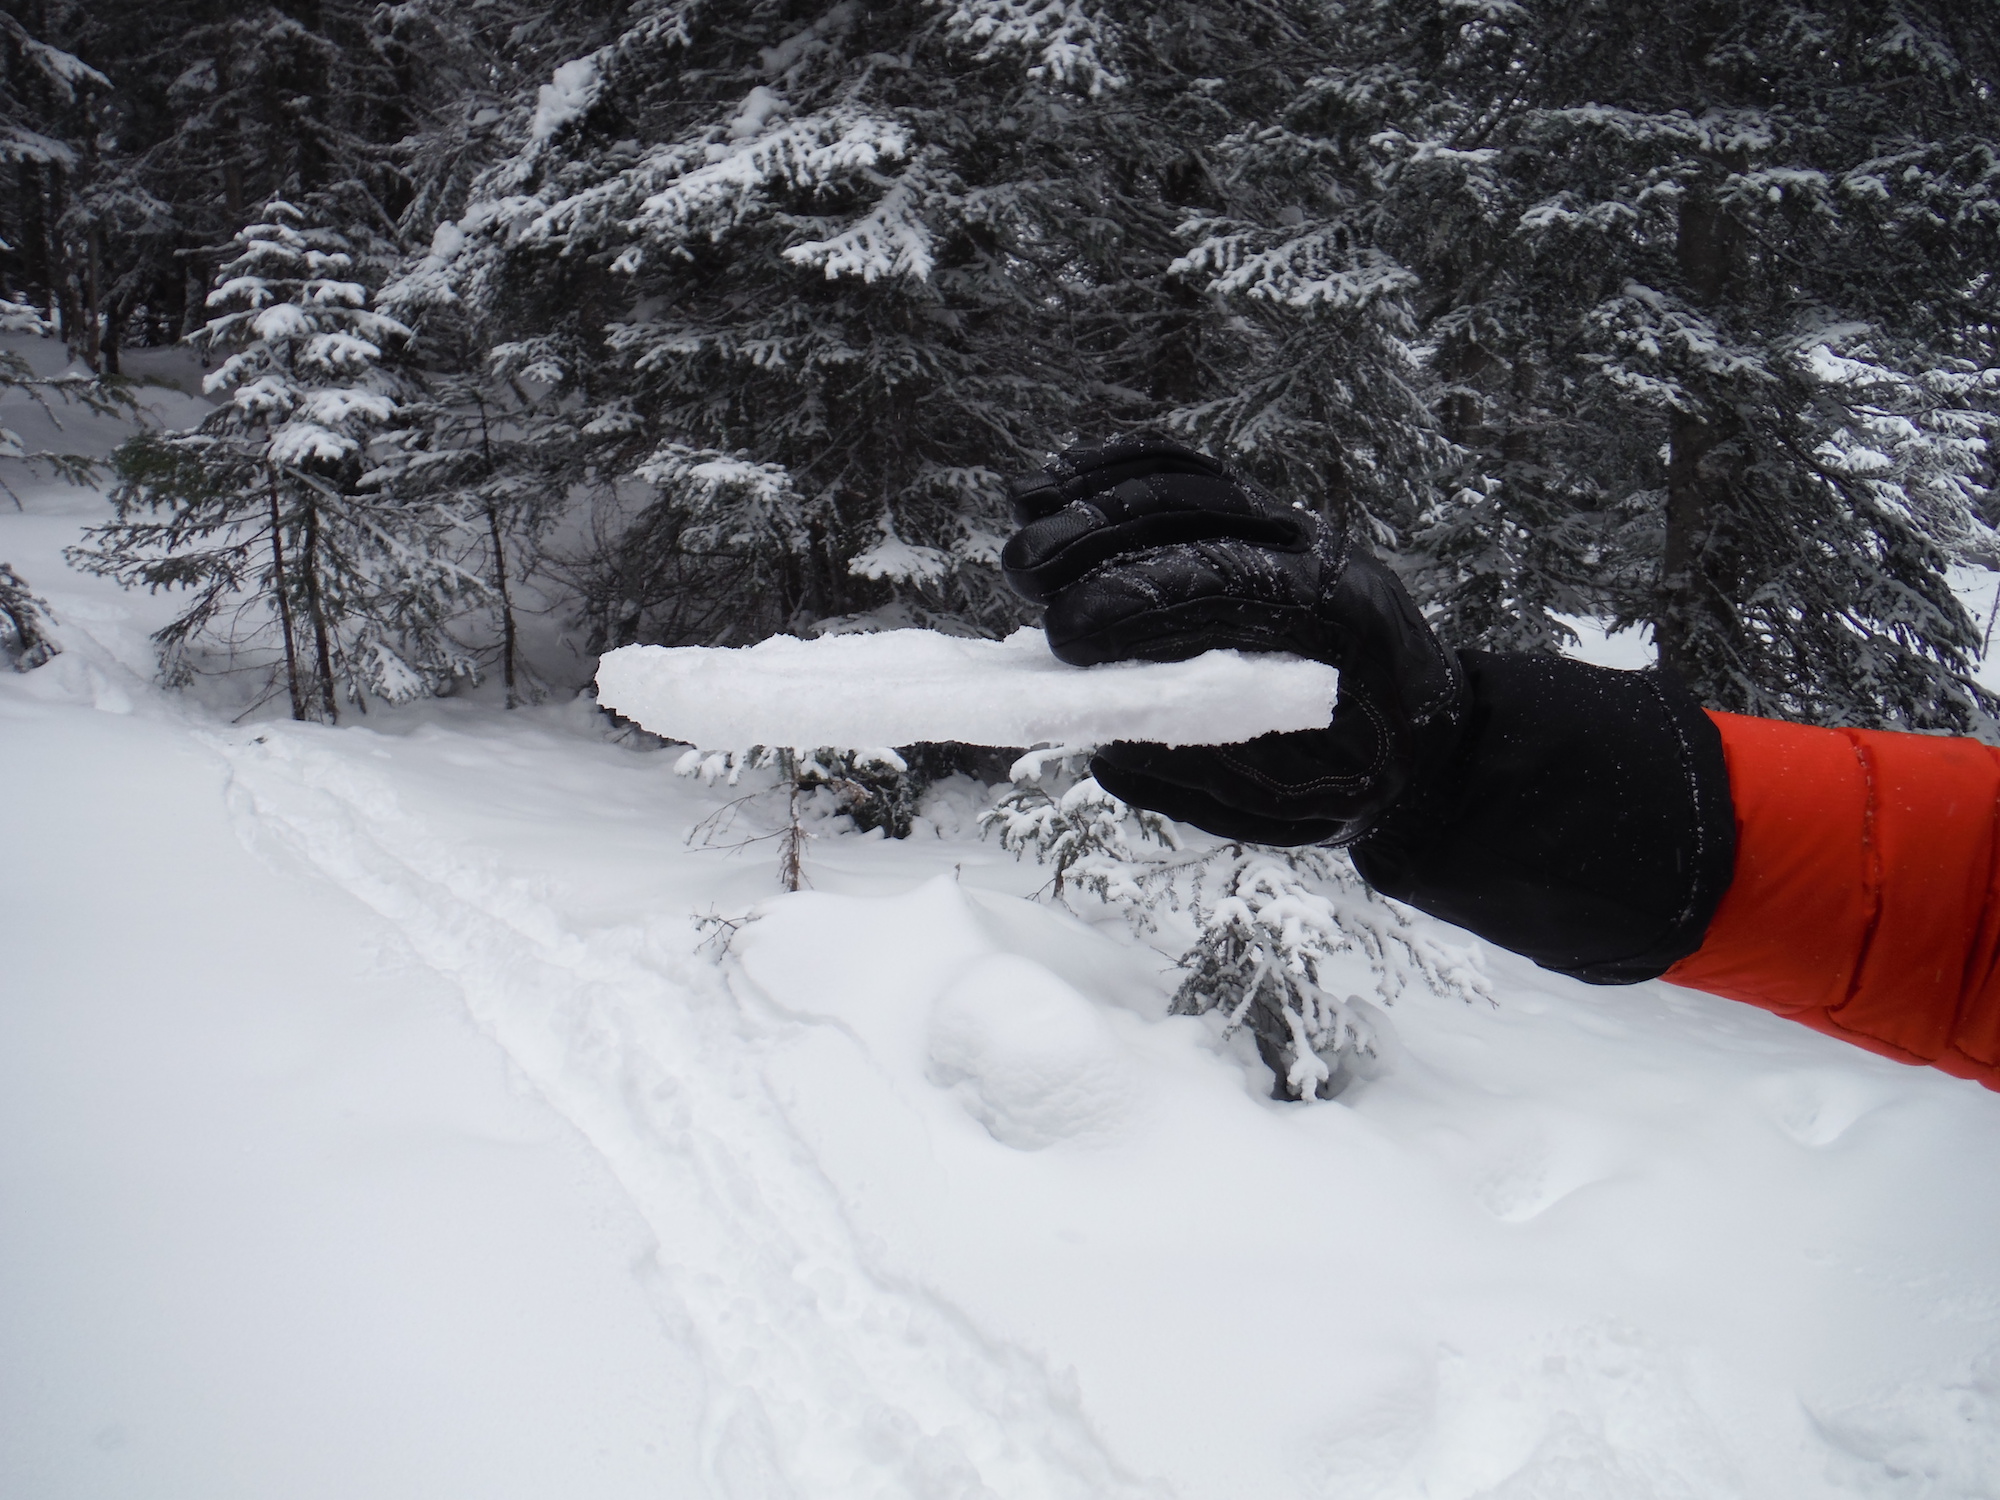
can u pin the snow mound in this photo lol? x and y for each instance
(1030, 1058)
(903, 687)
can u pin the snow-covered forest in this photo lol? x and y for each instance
(418, 1080)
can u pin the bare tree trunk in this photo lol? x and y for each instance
(322, 649)
(115, 319)
(37, 265)
(1462, 414)
(507, 634)
(93, 301)
(506, 603)
(1694, 586)
(285, 603)
(1518, 446)
(232, 171)
(1690, 515)
(63, 280)
(792, 842)
(192, 306)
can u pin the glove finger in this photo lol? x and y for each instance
(1307, 774)
(1083, 637)
(1095, 501)
(1083, 469)
(1192, 805)
(1142, 514)
(1176, 602)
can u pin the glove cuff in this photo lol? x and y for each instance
(1581, 816)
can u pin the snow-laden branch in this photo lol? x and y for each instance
(1069, 45)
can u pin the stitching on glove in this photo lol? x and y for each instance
(1331, 782)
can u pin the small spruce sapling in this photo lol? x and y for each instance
(1269, 922)
(872, 788)
(1065, 819)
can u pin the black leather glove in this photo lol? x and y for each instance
(1571, 813)
(1145, 549)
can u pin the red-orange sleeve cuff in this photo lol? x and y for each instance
(1865, 900)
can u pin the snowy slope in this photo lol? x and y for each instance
(374, 1121)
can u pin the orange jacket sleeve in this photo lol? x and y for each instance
(1866, 896)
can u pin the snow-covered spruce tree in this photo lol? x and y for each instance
(473, 442)
(1705, 303)
(1794, 226)
(1376, 184)
(273, 514)
(800, 277)
(1313, 373)
(202, 112)
(1269, 923)
(469, 69)
(29, 639)
(52, 109)
(1810, 324)
(1272, 922)
(456, 457)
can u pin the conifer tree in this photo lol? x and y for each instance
(1676, 315)
(472, 441)
(870, 789)
(182, 117)
(1312, 372)
(52, 107)
(1702, 296)
(826, 283)
(273, 513)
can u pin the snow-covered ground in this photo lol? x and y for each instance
(376, 1120)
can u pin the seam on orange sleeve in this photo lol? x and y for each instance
(1823, 1021)
(1871, 871)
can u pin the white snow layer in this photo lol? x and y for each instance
(904, 687)
(372, 1124)
(566, 97)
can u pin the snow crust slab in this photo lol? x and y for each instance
(902, 687)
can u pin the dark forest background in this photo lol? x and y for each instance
(724, 319)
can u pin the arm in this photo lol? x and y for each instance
(1846, 879)
(1599, 822)
(1866, 897)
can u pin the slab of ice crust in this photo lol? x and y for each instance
(902, 687)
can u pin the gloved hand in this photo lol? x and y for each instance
(1571, 813)
(1145, 549)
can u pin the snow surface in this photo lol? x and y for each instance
(374, 1121)
(902, 687)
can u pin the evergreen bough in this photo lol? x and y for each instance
(26, 616)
